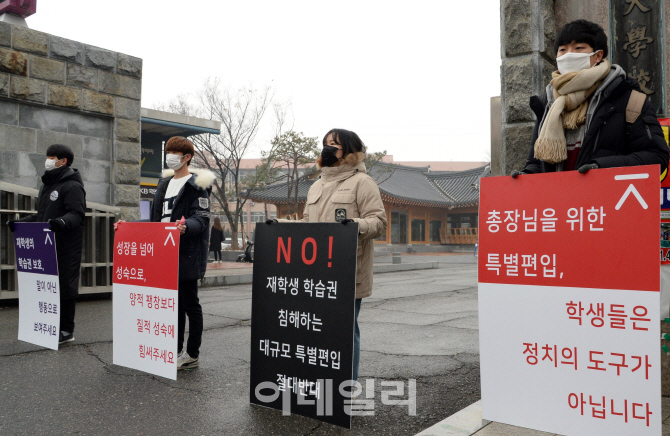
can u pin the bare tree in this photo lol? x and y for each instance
(240, 112)
(376, 168)
(291, 151)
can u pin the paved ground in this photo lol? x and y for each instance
(232, 268)
(417, 325)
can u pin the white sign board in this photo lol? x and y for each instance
(39, 289)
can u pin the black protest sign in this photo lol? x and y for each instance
(302, 318)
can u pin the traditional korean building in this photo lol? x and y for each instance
(423, 207)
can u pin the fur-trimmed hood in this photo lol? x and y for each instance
(204, 179)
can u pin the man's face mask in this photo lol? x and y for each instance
(174, 161)
(328, 155)
(571, 62)
(50, 164)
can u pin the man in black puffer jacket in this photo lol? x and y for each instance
(592, 115)
(185, 193)
(62, 203)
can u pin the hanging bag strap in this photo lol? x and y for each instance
(634, 107)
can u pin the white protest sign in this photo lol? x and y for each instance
(39, 290)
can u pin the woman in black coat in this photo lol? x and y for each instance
(216, 239)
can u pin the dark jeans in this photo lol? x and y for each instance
(189, 305)
(217, 255)
(357, 340)
(67, 307)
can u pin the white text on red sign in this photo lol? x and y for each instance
(135, 249)
(529, 222)
(528, 264)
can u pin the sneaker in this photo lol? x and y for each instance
(64, 337)
(187, 362)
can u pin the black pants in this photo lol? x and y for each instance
(189, 305)
(217, 255)
(67, 307)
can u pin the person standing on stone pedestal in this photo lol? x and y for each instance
(592, 115)
(62, 204)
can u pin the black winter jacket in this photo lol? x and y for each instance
(216, 239)
(609, 140)
(192, 202)
(62, 195)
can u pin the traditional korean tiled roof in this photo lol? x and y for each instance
(276, 194)
(407, 185)
(400, 184)
(461, 187)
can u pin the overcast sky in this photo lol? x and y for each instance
(412, 78)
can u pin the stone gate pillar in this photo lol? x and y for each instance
(528, 29)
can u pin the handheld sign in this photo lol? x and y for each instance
(569, 285)
(145, 286)
(39, 290)
(302, 318)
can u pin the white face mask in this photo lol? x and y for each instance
(570, 62)
(50, 164)
(173, 161)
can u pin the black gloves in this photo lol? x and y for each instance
(516, 173)
(585, 168)
(268, 222)
(57, 225)
(10, 224)
(345, 221)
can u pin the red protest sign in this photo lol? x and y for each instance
(147, 254)
(560, 229)
(568, 289)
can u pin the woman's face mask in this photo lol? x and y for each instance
(329, 155)
(571, 62)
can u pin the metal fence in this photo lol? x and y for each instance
(459, 236)
(97, 254)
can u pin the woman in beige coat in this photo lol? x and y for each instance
(345, 193)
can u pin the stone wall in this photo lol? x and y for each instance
(53, 90)
(528, 29)
(592, 10)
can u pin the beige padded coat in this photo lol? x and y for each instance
(348, 187)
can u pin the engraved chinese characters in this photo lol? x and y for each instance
(638, 45)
